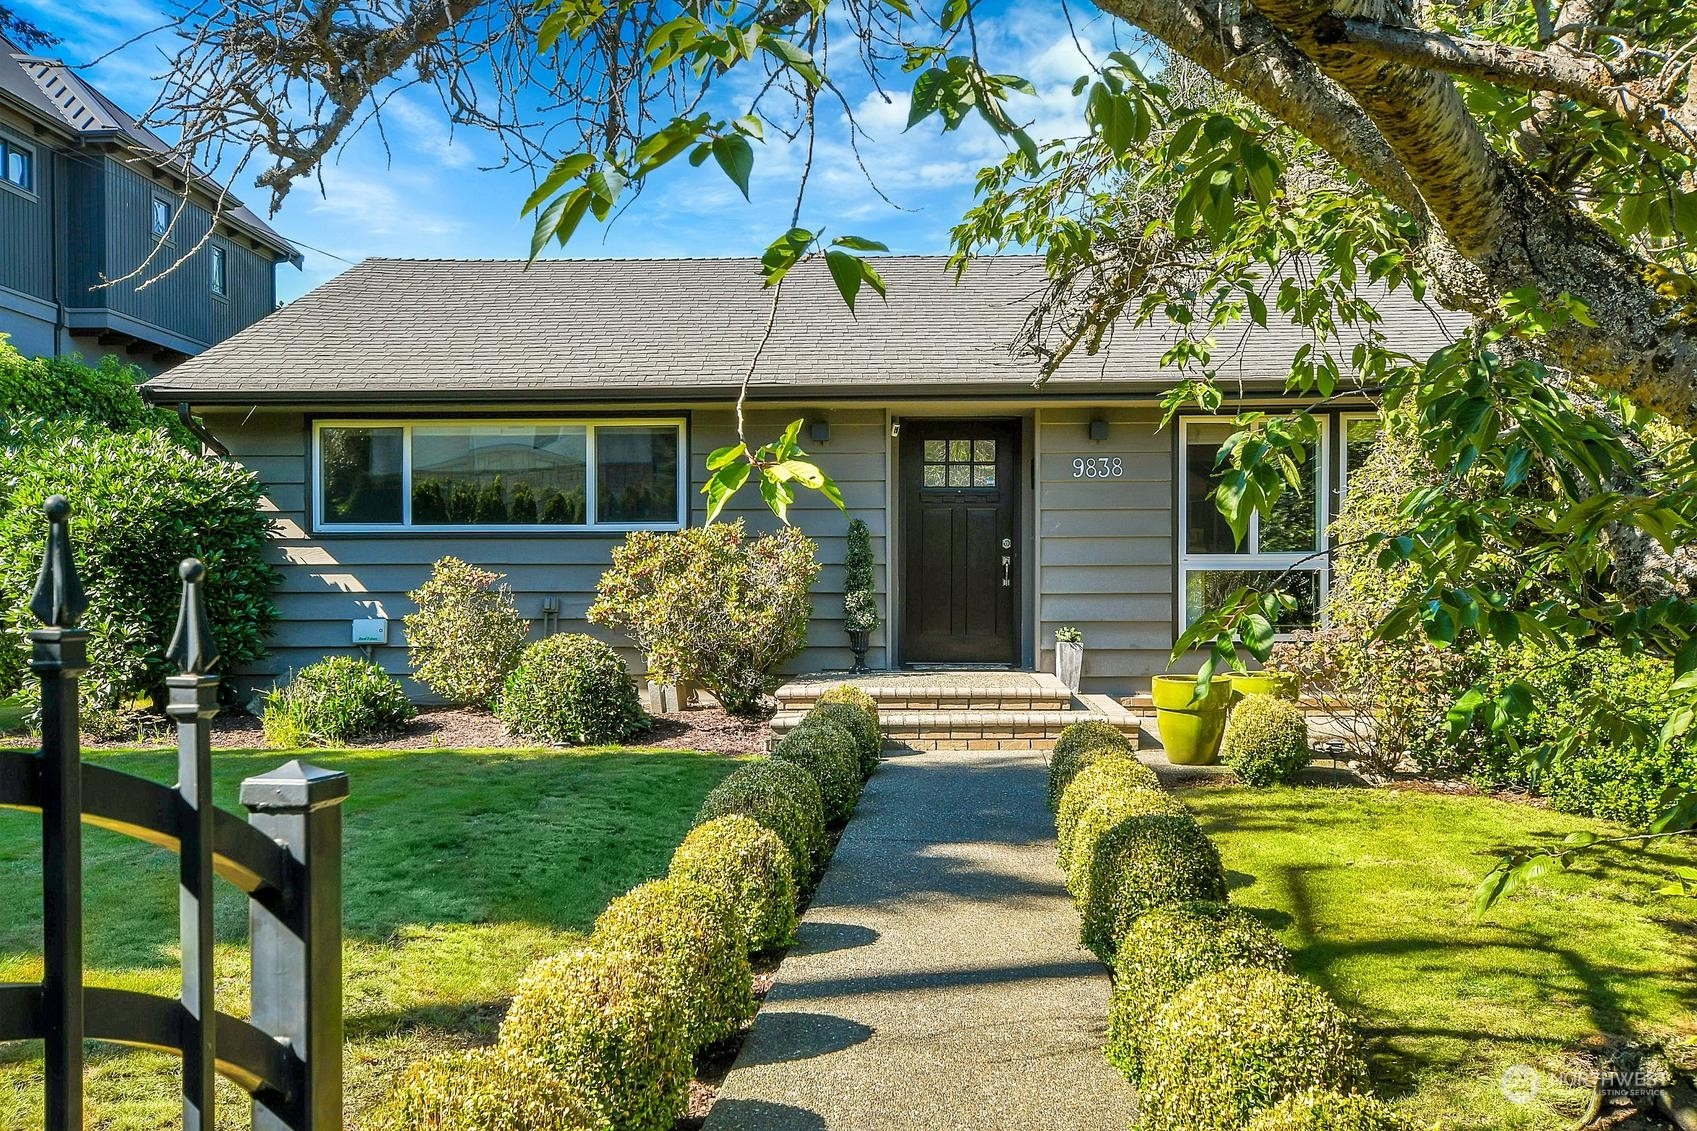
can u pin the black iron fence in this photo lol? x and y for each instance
(286, 857)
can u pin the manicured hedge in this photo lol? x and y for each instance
(603, 1021)
(1237, 1041)
(784, 798)
(1166, 950)
(828, 752)
(1143, 863)
(868, 737)
(486, 1089)
(1266, 740)
(571, 689)
(1106, 811)
(1319, 1110)
(1110, 774)
(694, 939)
(854, 697)
(750, 865)
(1078, 746)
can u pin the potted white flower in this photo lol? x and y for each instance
(1069, 656)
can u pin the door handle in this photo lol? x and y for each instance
(1007, 565)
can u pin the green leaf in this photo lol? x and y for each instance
(723, 486)
(564, 170)
(736, 157)
(923, 102)
(784, 253)
(845, 272)
(859, 243)
(723, 457)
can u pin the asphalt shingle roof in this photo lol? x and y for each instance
(468, 330)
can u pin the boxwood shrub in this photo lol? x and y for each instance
(571, 689)
(1106, 810)
(1234, 1042)
(1143, 863)
(854, 697)
(1075, 748)
(829, 753)
(691, 933)
(868, 737)
(485, 1089)
(1113, 771)
(338, 700)
(746, 862)
(1266, 740)
(784, 798)
(603, 1022)
(1319, 1110)
(1166, 950)
(467, 635)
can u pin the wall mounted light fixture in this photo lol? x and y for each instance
(819, 431)
(1098, 429)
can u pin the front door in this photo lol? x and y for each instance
(960, 538)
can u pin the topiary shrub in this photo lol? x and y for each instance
(140, 503)
(467, 635)
(338, 700)
(712, 605)
(784, 798)
(1167, 949)
(853, 696)
(603, 1022)
(1076, 747)
(696, 941)
(1111, 771)
(868, 738)
(1319, 1110)
(486, 1089)
(1232, 1043)
(746, 862)
(571, 689)
(1266, 740)
(1143, 863)
(1104, 811)
(830, 754)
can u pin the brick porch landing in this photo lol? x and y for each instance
(961, 710)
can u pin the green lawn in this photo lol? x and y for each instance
(461, 868)
(12, 715)
(1372, 890)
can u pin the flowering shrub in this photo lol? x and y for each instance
(467, 634)
(712, 605)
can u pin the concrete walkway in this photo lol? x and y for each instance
(938, 982)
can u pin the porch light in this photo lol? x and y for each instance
(819, 431)
(1098, 429)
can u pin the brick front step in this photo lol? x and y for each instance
(1021, 691)
(981, 728)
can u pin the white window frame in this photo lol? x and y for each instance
(164, 236)
(9, 145)
(218, 254)
(1314, 560)
(590, 503)
(1345, 419)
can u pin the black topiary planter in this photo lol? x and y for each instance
(859, 641)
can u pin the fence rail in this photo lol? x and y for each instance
(286, 857)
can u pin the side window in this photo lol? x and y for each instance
(161, 218)
(17, 164)
(220, 271)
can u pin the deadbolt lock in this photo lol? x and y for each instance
(1007, 543)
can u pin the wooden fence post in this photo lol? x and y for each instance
(297, 950)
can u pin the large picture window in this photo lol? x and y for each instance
(503, 475)
(1211, 562)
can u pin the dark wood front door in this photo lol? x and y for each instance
(960, 541)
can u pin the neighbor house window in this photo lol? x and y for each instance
(17, 164)
(1211, 562)
(518, 475)
(1360, 433)
(161, 222)
(220, 272)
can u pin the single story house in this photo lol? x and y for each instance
(382, 409)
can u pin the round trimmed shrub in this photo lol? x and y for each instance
(467, 635)
(1266, 740)
(486, 1089)
(571, 689)
(690, 932)
(1318, 1110)
(1068, 763)
(854, 697)
(1232, 1043)
(1112, 770)
(868, 738)
(784, 798)
(1143, 863)
(1106, 810)
(829, 753)
(604, 1023)
(1166, 950)
(750, 866)
(341, 699)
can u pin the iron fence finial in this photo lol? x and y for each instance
(192, 649)
(58, 600)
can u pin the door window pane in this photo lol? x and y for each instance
(498, 474)
(935, 475)
(1206, 589)
(360, 470)
(960, 463)
(936, 451)
(636, 474)
(1206, 529)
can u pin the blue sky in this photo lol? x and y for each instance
(433, 193)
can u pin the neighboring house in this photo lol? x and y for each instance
(86, 196)
(381, 408)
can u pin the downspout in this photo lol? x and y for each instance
(200, 431)
(61, 254)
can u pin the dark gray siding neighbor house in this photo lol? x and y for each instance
(87, 196)
(380, 405)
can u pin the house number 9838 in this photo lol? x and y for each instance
(1098, 467)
